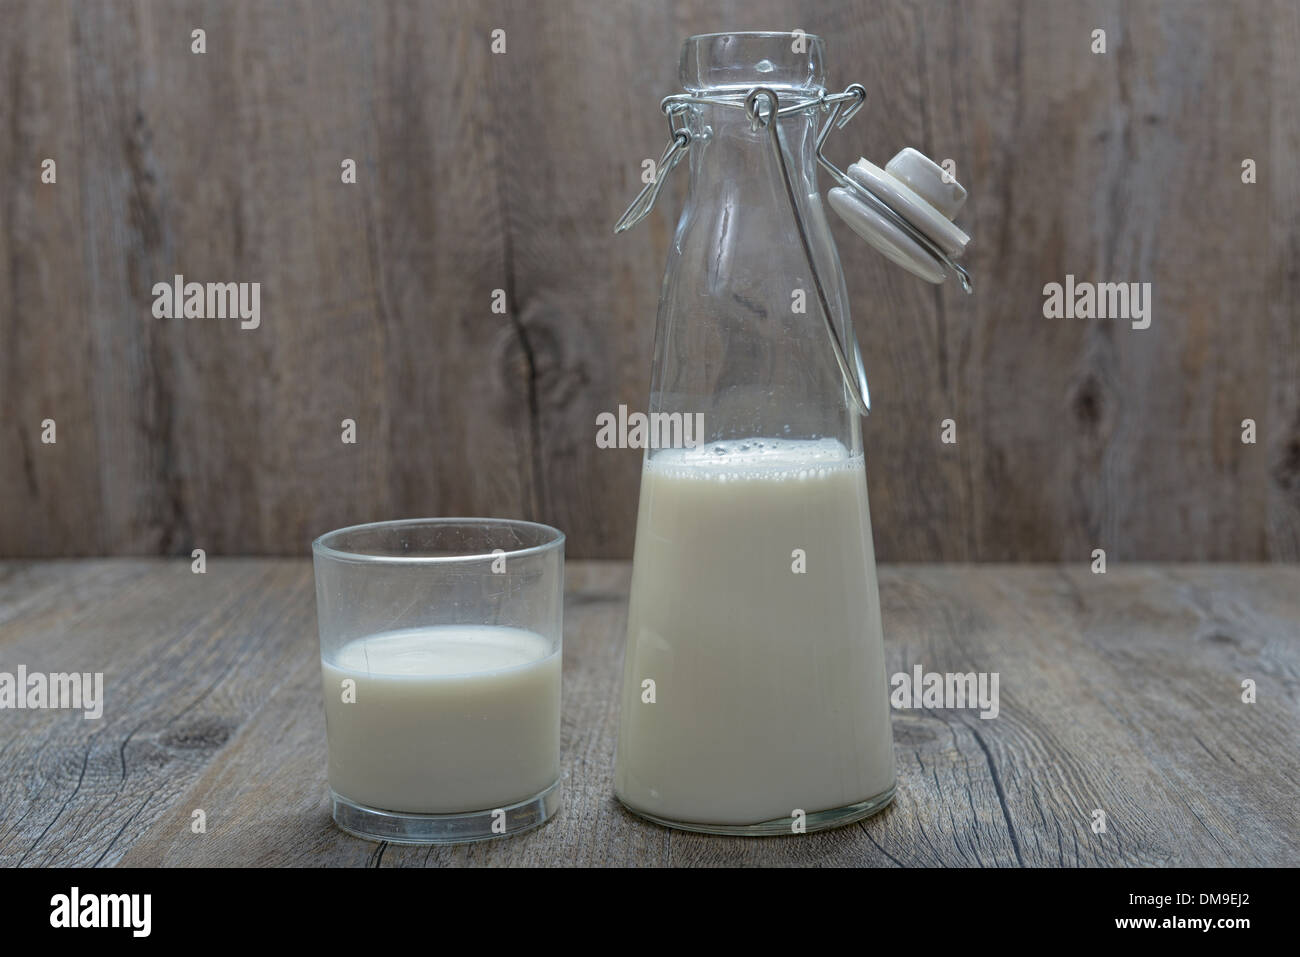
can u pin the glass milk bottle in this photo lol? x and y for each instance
(755, 696)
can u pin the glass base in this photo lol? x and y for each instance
(817, 821)
(397, 827)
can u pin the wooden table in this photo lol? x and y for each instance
(1120, 692)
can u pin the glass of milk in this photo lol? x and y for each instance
(440, 646)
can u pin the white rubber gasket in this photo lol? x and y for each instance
(895, 193)
(885, 236)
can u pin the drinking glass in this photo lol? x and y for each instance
(440, 648)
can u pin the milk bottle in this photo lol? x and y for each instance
(754, 692)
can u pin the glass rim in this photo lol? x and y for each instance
(321, 547)
(709, 64)
(752, 33)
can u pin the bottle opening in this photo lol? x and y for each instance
(737, 62)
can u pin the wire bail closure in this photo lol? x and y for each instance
(674, 107)
(842, 107)
(855, 376)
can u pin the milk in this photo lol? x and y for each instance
(445, 719)
(770, 692)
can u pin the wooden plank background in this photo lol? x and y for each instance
(479, 172)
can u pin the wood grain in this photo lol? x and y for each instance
(1119, 692)
(479, 172)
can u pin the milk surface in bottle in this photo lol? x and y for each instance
(762, 706)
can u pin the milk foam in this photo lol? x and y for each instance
(747, 459)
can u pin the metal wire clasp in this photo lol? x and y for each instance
(679, 137)
(855, 376)
(645, 200)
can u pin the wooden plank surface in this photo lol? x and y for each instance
(1119, 692)
(479, 171)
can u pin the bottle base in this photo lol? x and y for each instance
(397, 827)
(817, 821)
